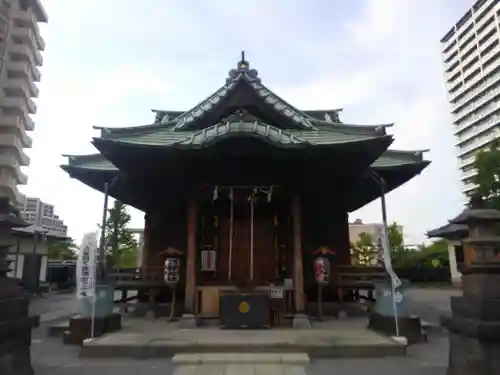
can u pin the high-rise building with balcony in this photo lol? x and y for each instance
(36, 212)
(20, 59)
(471, 59)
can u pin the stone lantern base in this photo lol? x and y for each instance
(474, 327)
(15, 322)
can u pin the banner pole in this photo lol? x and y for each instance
(395, 282)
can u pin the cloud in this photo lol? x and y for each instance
(109, 62)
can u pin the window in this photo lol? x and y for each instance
(4, 8)
(4, 33)
(23, 5)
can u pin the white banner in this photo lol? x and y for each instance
(86, 267)
(386, 256)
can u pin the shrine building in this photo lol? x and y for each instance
(244, 188)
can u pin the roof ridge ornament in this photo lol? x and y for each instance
(243, 69)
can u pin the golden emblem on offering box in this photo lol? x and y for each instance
(244, 307)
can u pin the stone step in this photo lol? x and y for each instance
(93, 349)
(240, 369)
(299, 359)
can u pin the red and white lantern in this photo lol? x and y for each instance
(322, 270)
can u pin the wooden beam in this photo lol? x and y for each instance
(190, 291)
(298, 270)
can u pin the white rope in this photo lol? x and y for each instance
(251, 231)
(231, 213)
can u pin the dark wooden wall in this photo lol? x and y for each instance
(166, 227)
(324, 223)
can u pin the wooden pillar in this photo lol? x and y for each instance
(191, 257)
(298, 270)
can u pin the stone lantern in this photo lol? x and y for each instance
(474, 326)
(15, 323)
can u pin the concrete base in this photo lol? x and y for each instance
(80, 328)
(409, 327)
(161, 340)
(188, 321)
(468, 355)
(301, 321)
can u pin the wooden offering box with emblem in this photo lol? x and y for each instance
(245, 310)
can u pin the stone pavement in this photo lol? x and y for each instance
(241, 363)
(298, 359)
(53, 307)
(431, 303)
(56, 306)
(50, 357)
(245, 369)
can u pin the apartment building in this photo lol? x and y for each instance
(471, 59)
(20, 59)
(375, 230)
(37, 212)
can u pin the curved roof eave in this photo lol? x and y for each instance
(449, 231)
(208, 136)
(395, 176)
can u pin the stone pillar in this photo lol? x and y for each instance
(188, 319)
(300, 320)
(456, 276)
(15, 322)
(474, 326)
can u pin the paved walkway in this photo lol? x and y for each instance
(431, 303)
(234, 369)
(241, 363)
(56, 306)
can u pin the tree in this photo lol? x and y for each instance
(121, 246)
(400, 256)
(61, 249)
(364, 250)
(487, 179)
(396, 241)
(435, 255)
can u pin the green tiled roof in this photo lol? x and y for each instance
(389, 159)
(392, 158)
(95, 162)
(267, 95)
(168, 137)
(299, 119)
(329, 115)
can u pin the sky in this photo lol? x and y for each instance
(110, 62)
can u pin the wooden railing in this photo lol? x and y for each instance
(145, 274)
